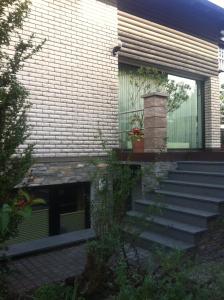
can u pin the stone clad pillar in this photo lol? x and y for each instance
(155, 122)
(212, 113)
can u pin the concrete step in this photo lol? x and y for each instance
(212, 190)
(48, 244)
(175, 212)
(202, 166)
(197, 176)
(148, 240)
(211, 204)
(167, 227)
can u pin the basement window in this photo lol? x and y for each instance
(66, 210)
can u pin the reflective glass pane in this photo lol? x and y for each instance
(184, 124)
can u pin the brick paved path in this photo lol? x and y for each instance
(34, 271)
(55, 266)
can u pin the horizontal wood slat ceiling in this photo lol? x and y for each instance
(151, 43)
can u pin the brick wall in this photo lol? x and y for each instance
(73, 81)
(212, 113)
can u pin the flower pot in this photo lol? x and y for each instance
(138, 146)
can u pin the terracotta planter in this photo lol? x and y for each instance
(138, 146)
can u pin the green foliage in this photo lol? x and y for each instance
(14, 160)
(15, 157)
(14, 212)
(114, 182)
(55, 292)
(170, 281)
(104, 248)
(148, 80)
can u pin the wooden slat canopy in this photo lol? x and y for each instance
(151, 43)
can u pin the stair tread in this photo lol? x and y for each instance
(178, 171)
(169, 223)
(202, 162)
(166, 240)
(182, 209)
(190, 196)
(218, 186)
(163, 239)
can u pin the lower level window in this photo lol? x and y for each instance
(66, 210)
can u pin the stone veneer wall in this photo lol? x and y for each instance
(152, 173)
(52, 173)
(73, 81)
(212, 113)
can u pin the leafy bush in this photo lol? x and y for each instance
(56, 292)
(15, 160)
(14, 212)
(171, 280)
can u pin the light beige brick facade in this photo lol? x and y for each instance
(212, 113)
(73, 81)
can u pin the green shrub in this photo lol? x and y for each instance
(54, 292)
(169, 281)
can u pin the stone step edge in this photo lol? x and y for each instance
(48, 243)
(180, 182)
(179, 209)
(162, 221)
(201, 162)
(178, 171)
(214, 200)
(163, 240)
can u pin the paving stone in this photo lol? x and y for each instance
(55, 266)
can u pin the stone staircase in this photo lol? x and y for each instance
(190, 199)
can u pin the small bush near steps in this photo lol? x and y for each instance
(55, 292)
(174, 278)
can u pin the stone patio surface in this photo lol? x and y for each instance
(33, 271)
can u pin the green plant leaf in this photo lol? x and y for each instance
(38, 201)
(4, 217)
(25, 212)
(25, 195)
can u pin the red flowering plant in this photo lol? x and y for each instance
(136, 133)
(14, 213)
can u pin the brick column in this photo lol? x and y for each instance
(212, 113)
(155, 122)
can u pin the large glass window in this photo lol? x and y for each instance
(184, 126)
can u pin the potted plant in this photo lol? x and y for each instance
(137, 133)
(137, 138)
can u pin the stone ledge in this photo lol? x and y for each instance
(49, 243)
(153, 94)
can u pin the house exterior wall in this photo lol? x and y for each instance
(73, 81)
(148, 43)
(73, 84)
